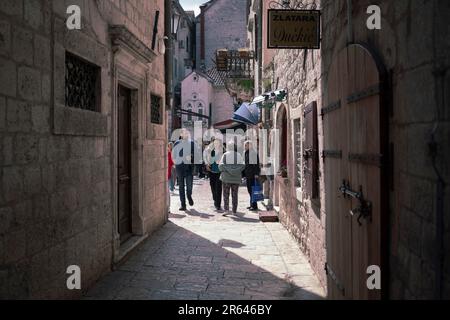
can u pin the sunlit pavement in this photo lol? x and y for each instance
(200, 254)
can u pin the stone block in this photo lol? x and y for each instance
(42, 53)
(48, 178)
(12, 183)
(33, 13)
(70, 199)
(40, 118)
(22, 213)
(2, 114)
(18, 117)
(12, 7)
(32, 180)
(7, 151)
(39, 271)
(22, 45)
(7, 219)
(46, 87)
(40, 207)
(419, 161)
(29, 84)
(15, 246)
(71, 121)
(5, 37)
(8, 77)
(57, 265)
(26, 149)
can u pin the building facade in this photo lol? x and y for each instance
(183, 58)
(367, 113)
(205, 94)
(83, 143)
(227, 18)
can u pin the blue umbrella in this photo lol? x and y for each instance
(247, 113)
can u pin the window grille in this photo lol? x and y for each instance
(298, 152)
(82, 84)
(156, 110)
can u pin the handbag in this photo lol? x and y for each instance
(257, 192)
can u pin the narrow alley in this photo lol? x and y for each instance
(331, 117)
(203, 255)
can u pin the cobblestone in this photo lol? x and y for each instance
(203, 255)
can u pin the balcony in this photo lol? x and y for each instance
(236, 64)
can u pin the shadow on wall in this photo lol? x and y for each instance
(176, 264)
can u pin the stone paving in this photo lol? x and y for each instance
(203, 255)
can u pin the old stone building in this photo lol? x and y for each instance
(205, 94)
(82, 139)
(222, 24)
(182, 56)
(402, 72)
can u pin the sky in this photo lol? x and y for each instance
(192, 5)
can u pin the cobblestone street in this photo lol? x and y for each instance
(202, 255)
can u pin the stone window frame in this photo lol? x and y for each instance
(161, 111)
(74, 121)
(130, 62)
(296, 115)
(97, 86)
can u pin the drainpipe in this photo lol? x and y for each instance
(350, 38)
(168, 67)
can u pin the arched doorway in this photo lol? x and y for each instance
(355, 156)
(279, 157)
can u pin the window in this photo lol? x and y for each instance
(181, 44)
(156, 110)
(298, 152)
(82, 85)
(311, 152)
(200, 111)
(187, 44)
(190, 112)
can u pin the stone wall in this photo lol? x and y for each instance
(414, 46)
(226, 18)
(222, 105)
(56, 163)
(301, 75)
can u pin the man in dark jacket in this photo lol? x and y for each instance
(185, 153)
(251, 171)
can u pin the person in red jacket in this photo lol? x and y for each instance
(170, 168)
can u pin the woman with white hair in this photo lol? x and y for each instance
(231, 166)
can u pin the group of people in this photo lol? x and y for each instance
(224, 165)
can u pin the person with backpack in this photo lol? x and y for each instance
(185, 153)
(231, 166)
(213, 154)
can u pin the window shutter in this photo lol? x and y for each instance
(311, 152)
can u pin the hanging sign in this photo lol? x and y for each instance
(294, 29)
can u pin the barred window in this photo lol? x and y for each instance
(156, 110)
(82, 84)
(298, 152)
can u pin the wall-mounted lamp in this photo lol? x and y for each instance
(176, 18)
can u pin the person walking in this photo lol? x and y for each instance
(212, 156)
(251, 172)
(231, 166)
(171, 168)
(185, 153)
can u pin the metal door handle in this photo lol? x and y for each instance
(365, 207)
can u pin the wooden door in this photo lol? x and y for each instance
(124, 162)
(354, 160)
